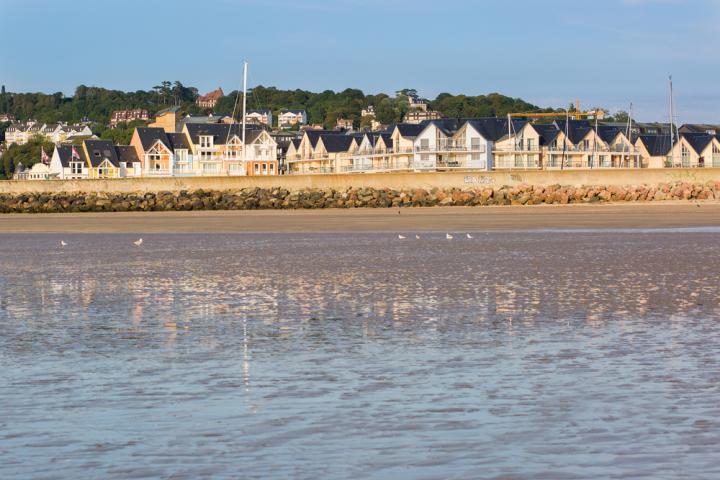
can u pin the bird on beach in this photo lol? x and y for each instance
(469, 236)
(448, 236)
(138, 242)
(417, 237)
(401, 237)
(63, 243)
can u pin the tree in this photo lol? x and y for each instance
(27, 154)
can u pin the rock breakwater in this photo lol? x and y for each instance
(279, 198)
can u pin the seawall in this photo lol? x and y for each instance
(393, 181)
(313, 198)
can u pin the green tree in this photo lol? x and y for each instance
(27, 154)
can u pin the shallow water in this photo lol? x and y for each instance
(516, 355)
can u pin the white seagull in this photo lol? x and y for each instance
(448, 236)
(63, 243)
(417, 237)
(401, 237)
(138, 242)
(469, 236)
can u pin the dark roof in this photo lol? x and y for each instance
(656, 145)
(127, 154)
(608, 132)
(387, 138)
(493, 128)
(100, 150)
(700, 128)
(65, 154)
(295, 142)
(576, 129)
(410, 129)
(178, 141)
(698, 141)
(221, 131)
(337, 142)
(148, 137)
(314, 135)
(548, 133)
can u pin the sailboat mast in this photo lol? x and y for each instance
(672, 123)
(244, 108)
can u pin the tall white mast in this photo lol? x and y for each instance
(672, 123)
(245, 67)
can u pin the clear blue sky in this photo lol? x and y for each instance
(604, 52)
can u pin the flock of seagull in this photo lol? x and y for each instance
(447, 236)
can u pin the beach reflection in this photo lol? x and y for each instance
(587, 354)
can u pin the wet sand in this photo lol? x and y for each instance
(627, 215)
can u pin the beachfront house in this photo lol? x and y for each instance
(654, 150)
(66, 165)
(102, 159)
(696, 150)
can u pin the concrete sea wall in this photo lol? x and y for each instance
(393, 181)
(351, 197)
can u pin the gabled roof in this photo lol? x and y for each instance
(576, 130)
(127, 154)
(548, 133)
(494, 129)
(101, 150)
(314, 135)
(291, 110)
(336, 143)
(149, 135)
(410, 130)
(656, 145)
(262, 111)
(65, 154)
(608, 132)
(698, 141)
(178, 141)
(295, 142)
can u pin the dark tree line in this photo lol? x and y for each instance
(97, 104)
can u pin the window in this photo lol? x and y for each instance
(604, 161)
(715, 156)
(530, 144)
(424, 144)
(264, 168)
(586, 144)
(257, 169)
(685, 156)
(475, 144)
(206, 141)
(272, 169)
(76, 168)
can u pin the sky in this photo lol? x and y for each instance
(608, 53)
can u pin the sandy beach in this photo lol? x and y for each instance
(626, 215)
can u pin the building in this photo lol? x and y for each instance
(21, 132)
(711, 129)
(418, 116)
(368, 111)
(416, 103)
(39, 171)
(654, 150)
(154, 150)
(7, 117)
(695, 150)
(289, 118)
(344, 124)
(69, 162)
(167, 119)
(218, 149)
(259, 117)
(210, 99)
(102, 159)
(127, 116)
